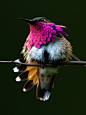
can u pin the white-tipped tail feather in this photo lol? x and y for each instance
(17, 60)
(46, 96)
(24, 89)
(18, 79)
(15, 69)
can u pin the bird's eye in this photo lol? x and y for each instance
(42, 19)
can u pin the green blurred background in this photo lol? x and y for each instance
(69, 94)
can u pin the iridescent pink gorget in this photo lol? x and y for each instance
(42, 33)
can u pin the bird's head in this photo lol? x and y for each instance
(42, 31)
(35, 20)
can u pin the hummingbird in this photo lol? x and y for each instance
(45, 44)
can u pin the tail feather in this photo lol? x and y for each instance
(29, 85)
(20, 68)
(20, 60)
(44, 93)
(34, 75)
(28, 73)
(35, 79)
(23, 76)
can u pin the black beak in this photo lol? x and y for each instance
(29, 21)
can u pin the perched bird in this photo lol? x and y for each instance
(45, 44)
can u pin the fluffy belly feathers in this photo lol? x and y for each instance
(52, 52)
